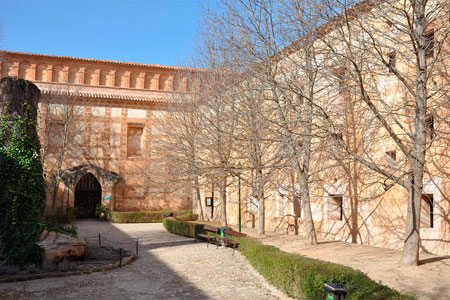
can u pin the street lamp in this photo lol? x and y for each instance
(238, 167)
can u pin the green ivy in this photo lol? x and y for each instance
(22, 190)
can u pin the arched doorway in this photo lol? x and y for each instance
(88, 194)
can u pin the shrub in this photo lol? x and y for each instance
(144, 216)
(22, 189)
(187, 217)
(187, 229)
(66, 218)
(301, 277)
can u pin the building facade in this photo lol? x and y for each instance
(97, 125)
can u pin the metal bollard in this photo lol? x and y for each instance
(137, 246)
(99, 240)
(335, 290)
(120, 258)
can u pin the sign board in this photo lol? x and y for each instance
(209, 201)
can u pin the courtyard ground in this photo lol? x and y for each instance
(429, 280)
(168, 267)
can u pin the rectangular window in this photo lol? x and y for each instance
(392, 61)
(297, 207)
(429, 45)
(392, 155)
(430, 126)
(134, 139)
(335, 207)
(427, 214)
(55, 136)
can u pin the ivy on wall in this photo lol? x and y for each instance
(22, 190)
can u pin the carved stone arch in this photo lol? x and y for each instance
(41, 72)
(107, 180)
(118, 78)
(58, 74)
(133, 80)
(73, 74)
(104, 77)
(71, 176)
(24, 69)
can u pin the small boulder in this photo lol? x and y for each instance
(58, 246)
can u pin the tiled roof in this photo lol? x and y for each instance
(136, 64)
(104, 95)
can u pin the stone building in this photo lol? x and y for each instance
(101, 115)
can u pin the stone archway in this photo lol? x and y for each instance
(88, 194)
(106, 179)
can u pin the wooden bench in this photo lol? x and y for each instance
(229, 242)
(209, 234)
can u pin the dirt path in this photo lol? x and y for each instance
(168, 267)
(430, 280)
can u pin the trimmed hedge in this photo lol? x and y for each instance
(298, 276)
(143, 216)
(187, 229)
(187, 217)
(303, 278)
(66, 218)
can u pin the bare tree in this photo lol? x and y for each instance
(64, 120)
(404, 40)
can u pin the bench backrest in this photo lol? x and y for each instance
(210, 228)
(234, 233)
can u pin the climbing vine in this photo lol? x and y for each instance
(22, 190)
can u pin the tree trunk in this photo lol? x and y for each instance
(223, 205)
(306, 205)
(410, 254)
(198, 199)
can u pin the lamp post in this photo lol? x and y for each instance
(239, 187)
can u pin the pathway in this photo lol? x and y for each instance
(168, 267)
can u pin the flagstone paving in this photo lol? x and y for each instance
(168, 267)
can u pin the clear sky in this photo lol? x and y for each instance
(152, 31)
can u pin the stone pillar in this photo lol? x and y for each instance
(155, 82)
(16, 97)
(49, 73)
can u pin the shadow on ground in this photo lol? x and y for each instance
(146, 278)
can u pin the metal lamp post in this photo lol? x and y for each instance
(239, 186)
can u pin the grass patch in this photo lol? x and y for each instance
(187, 229)
(143, 216)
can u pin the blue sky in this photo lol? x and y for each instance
(152, 31)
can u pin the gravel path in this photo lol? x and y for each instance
(168, 267)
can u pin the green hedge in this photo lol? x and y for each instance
(187, 229)
(303, 278)
(298, 276)
(144, 216)
(66, 218)
(187, 217)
